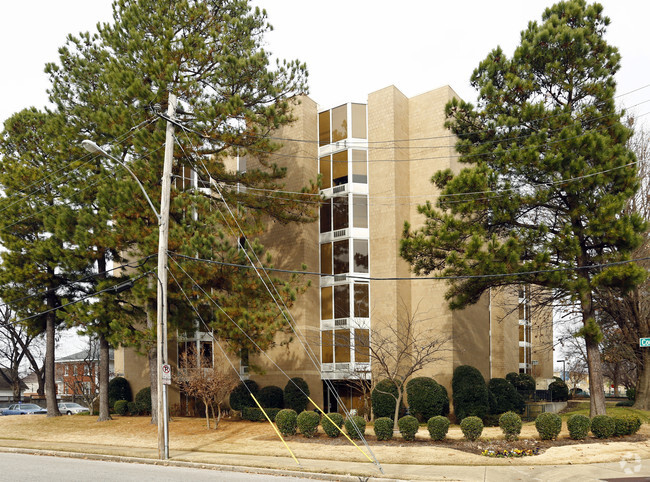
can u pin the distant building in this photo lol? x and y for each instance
(7, 389)
(78, 374)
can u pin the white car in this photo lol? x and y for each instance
(72, 408)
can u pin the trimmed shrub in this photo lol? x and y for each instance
(630, 393)
(121, 407)
(445, 407)
(504, 397)
(559, 391)
(307, 422)
(133, 408)
(603, 426)
(271, 397)
(625, 403)
(383, 403)
(286, 421)
(241, 395)
(350, 429)
(119, 389)
(491, 420)
(332, 429)
(384, 428)
(408, 427)
(523, 383)
(252, 414)
(626, 425)
(438, 427)
(548, 425)
(578, 426)
(426, 398)
(472, 427)
(469, 392)
(143, 400)
(295, 394)
(510, 424)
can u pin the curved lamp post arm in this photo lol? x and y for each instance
(90, 146)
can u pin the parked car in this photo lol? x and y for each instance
(24, 409)
(67, 408)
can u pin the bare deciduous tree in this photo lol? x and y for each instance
(84, 382)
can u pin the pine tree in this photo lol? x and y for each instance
(548, 175)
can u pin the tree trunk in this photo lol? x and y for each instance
(643, 382)
(397, 405)
(50, 385)
(596, 392)
(207, 412)
(104, 358)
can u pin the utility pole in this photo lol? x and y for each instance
(161, 325)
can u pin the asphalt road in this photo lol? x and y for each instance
(37, 468)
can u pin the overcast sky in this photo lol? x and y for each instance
(351, 47)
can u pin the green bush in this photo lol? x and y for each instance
(285, 420)
(119, 389)
(625, 403)
(523, 383)
(510, 424)
(438, 427)
(578, 426)
(121, 407)
(548, 425)
(143, 400)
(383, 402)
(603, 426)
(307, 422)
(332, 426)
(426, 398)
(504, 397)
(271, 397)
(469, 392)
(252, 414)
(241, 395)
(491, 420)
(295, 394)
(408, 427)
(384, 428)
(133, 408)
(472, 427)
(350, 429)
(626, 425)
(630, 393)
(559, 391)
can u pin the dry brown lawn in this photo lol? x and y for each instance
(136, 436)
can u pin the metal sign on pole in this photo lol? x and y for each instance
(166, 374)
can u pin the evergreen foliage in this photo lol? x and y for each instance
(603, 426)
(547, 177)
(408, 427)
(626, 425)
(383, 428)
(271, 397)
(296, 392)
(119, 389)
(355, 426)
(307, 423)
(559, 391)
(548, 425)
(438, 427)
(504, 397)
(578, 426)
(524, 383)
(470, 394)
(241, 395)
(426, 398)
(133, 409)
(384, 397)
(121, 407)
(333, 425)
(286, 421)
(143, 400)
(472, 427)
(510, 423)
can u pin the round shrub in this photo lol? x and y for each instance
(603, 426)
(332, 425)
(383, 401)
(504, 397)
(133, 408)
(438, 427)
(625, 403)
(510, 424)
(426, 398)
(295, 394)
(119, 389)
(351, 422)
(307, 422)
(548, 425)
(143, 400)
(469, 392)
(271, 397)
(408, 427)
(472, 427)
(578, 426)
(121, 407)
(630, 393)
(272, 413)
(241, 395)
(626, 425)
(286, 421)
(559, 391)
(384, 428)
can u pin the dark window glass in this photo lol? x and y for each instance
(340, 212)
(326, 216)
(341, 257)
(206, 354)
(339, 123)
(361, 300)
(360, 211)
(340, 168)
(324, 128)
(342, 301)
(325, 172)
(327, 346)
(326, 258)
(361, 346)
(360, 255)
(326, 303)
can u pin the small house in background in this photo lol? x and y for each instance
(6, 388)
(77, 375)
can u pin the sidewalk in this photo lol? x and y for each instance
(630, 468)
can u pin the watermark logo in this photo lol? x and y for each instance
(630, 463)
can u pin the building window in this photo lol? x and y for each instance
(66, 370)
(326, 303)
(342, 301)
(359, 121)
(341, 346)
(359, 211)
(341, 257)
(339, 123)
(326, 258)
(360, 255)
(340, 213)
(325, 172)
(326, 216)
(361, 346)
(359, 166)
(327, 347)
(361, 300)
(340, 168)
(87, 370)
(74, 370)
(206, 355)
(324, 128)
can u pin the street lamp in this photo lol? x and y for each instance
(163, 235)
(563, 369)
